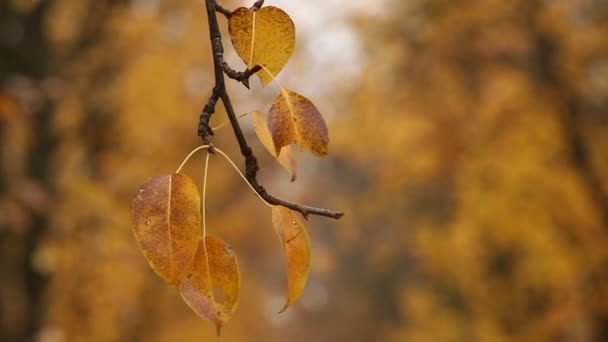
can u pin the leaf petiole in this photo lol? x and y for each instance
(274, 80)
(242, 176)
(216, 128)
(190, 155)
(283, 92)
(205, 179)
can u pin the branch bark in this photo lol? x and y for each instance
(220, 92)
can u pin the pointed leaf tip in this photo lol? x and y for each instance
(287, 157)
(294, 119)
(166, 220)
(214, 267)
(296, 245)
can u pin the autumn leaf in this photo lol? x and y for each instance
(296, 245)
(213, 283)
(286, 158)
(264, 37)
(294, 119)
(166, 222)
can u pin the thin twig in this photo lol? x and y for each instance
(251, 164)
(240, 76)
(226, 12)
(257, 5)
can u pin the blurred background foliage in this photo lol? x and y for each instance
(469, 149)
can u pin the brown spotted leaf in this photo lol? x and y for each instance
(166, 222)
(213, 283)
(287, 156)
(294, 119)
(264, 37)
(296, 245)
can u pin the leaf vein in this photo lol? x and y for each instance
(169, 225)
(249, 64)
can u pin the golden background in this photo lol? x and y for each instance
(468, 148)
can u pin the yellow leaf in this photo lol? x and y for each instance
(293, 236)
(266, 37)
(286, 158)
(166, 222)
(294, 119)
(213, 283)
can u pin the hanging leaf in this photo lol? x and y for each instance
(287, 156)
(294, 119)
(296, 245)
(166, 222)
(213, 283)
(264, 37)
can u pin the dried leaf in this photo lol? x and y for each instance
(213, 283)
(264, 37)
(293, 235)
(166, 222)
(294, 119)
(287, 156)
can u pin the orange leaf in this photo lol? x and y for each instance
(294, 119)
(286, 158)
(266, 37)
(166, 222)
(213, 283)
(296, 245)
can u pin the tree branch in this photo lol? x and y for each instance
(240, 76)
(223, 10)
(219, 92)
(257, 5)
(204, 131)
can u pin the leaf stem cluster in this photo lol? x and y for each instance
(220, 92)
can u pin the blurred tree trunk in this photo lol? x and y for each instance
(29, 60)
